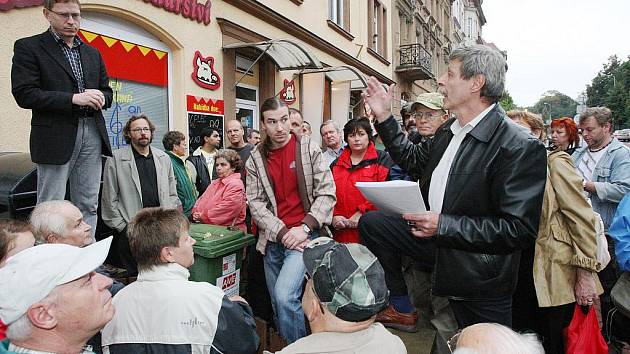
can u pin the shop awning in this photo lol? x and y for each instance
(342, 73)
(286, 54)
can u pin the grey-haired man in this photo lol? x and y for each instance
(52, 300)
(344, 292)
(482, 178)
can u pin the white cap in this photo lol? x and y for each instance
(29, 276)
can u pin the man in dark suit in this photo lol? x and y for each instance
(65, 84)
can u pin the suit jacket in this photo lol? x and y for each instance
(42, 80)
(122, 195)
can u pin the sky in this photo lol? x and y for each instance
(556, 44)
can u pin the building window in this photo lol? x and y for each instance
(335, 11)
(339, 14)
(469, 27)
(377, 28)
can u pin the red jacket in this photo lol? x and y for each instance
(373, 168)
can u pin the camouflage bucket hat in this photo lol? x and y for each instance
(432, 100)
(347, 278)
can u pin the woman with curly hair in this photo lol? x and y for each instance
(223, 202)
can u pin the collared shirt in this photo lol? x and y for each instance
(439, 178)
(331, 155)
(148, 178)
(74, 57)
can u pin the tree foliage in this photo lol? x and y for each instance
(507, 102)
(611, 88)
(554, 104)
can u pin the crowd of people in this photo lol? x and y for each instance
(518, 229)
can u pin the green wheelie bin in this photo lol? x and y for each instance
(219, 256)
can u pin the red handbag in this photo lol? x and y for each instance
(583, 335)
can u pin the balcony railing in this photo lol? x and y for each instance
(415, 61)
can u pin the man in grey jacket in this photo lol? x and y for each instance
(135, 177)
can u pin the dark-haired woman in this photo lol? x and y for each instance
(358, 162)
(223, 202)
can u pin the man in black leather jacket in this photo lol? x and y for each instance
(482, 180)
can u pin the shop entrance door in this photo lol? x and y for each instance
(247, 106)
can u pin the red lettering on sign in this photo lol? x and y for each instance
(228, 281)
(187, 8)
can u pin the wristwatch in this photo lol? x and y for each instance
(307, 229)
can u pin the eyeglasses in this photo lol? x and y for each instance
(452, 342)
(427, 115)
(66, 16)
(141, 130)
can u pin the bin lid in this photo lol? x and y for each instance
(17, 174)
(215, 241)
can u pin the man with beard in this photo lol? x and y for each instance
(604, 164)
(135, 177)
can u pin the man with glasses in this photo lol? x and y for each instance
(427, 115)
(64, 82)
(137, 176)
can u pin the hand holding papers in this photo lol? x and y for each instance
(397, 197)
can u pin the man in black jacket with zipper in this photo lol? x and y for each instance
(482, 180)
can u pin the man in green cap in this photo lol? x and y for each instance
(427, 113)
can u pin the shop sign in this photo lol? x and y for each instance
(230, 283)
(287, 94)
(203, 113)
(203, 72)
(187, 8)
(6, 5)
(204, 105)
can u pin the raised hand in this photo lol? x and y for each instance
(378, 99)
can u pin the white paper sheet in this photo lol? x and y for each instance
(397, 197)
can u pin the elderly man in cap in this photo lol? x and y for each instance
(344, 292)
(52, 300)
(422, 118)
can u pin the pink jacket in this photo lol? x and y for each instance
(223, 201)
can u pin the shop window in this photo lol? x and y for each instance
(138, 68)
(243, 63)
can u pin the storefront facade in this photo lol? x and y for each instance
(188, 64)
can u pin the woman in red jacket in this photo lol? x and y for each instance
(223, 202)
(358, 162)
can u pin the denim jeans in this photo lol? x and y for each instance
(284, 272)
(83, 171)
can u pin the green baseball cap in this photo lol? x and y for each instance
(347, 277)
(432, 100)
